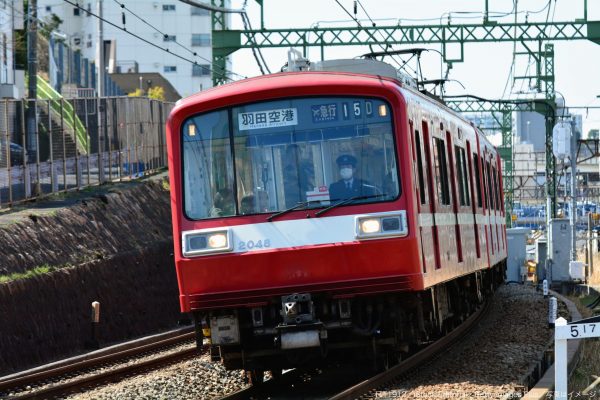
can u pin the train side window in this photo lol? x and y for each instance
(486, 199)
(496, 188)
(441, 170)
(477, 180)
(420, 169)
(490, 195)
(462, 176)
(498, 180)
(467, 174)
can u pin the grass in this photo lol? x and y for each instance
(589, 361)
(37, 271)
(166, 186)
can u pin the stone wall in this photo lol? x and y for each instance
(119, 251)
(121, 218)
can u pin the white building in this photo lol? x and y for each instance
(187, 30)
(12, 82)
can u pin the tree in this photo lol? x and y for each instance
(157, 93)
(137, 93)
(49, 25)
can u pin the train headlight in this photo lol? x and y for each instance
(217, 241)
(373, 226)
(206, 242)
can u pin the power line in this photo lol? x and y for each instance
(123, 6)
(403, 65)
(245, 21)
(514, 57)
(222, 74)
(360, 26)
(247, 26)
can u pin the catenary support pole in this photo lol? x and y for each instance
(573, 190)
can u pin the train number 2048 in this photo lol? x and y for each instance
(254, 244)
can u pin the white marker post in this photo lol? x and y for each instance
(585, 328)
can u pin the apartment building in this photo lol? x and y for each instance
(183, 29)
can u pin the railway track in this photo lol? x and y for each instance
(56, 381)
(357, 384)
(424, 356)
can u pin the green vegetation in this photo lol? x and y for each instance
(166, 186)
(155, 92)
(64, 109)
(42, 269)
(589, 353)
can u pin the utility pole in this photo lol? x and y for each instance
(32, 74)
(100, 51)
(100, 91)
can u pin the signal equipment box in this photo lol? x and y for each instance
(559, 233)
(541, 254)
(517, 252)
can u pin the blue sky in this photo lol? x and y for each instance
(486, 68)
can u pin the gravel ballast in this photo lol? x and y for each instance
(198, 378)
(490, 364)
(494, 359)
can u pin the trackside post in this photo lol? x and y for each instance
(585, 328)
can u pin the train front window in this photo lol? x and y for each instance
(285, 152)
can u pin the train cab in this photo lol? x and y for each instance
(296, 225)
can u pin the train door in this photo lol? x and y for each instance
(502, 204)
(423, 201)
(464, 196)
(497, 207)
(490, 203)
(474, 180)
(444, 218)
(430, 222)
(455, 204)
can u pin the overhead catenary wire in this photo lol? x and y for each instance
(360, 26)
(221, 74)
(374, 25)
(164, 35)
(210, 7)
(245, 21)
(256, 52)
(514, 58)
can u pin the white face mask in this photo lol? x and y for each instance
(346, 173)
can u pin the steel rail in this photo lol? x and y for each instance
(45, 375)
(418, 359)
(262, 388)
(108, 376)
(370, 384)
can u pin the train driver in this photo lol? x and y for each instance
(349, 186)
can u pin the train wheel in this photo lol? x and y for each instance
(255, 376)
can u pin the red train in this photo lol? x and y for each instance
(320, 215)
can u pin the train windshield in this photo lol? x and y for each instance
(306, 152)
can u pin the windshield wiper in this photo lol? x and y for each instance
(296, 207)
(348, 201)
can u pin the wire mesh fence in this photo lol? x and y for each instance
(57, 145)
